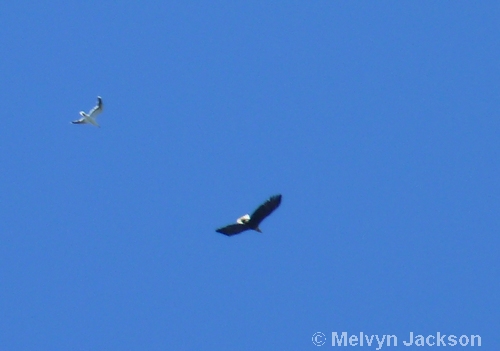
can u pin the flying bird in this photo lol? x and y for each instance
(91, 116)
(247, 222)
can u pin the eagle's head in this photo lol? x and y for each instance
(243, 219)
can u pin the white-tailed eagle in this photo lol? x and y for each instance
(252, 222)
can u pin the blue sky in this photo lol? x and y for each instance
(377, 121)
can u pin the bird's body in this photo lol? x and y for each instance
(91, 116)
(252, 222)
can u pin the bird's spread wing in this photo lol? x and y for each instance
(97, 109)
(264, 210)
(79, 121)
(232, 229)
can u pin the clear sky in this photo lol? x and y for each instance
(377, 121)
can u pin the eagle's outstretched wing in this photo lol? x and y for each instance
(264, 210)
(232, 229)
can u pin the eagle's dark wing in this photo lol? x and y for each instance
(264, 210)
(232, 229)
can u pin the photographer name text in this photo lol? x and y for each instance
(413, 339)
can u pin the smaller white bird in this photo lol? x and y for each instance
(91, 116)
